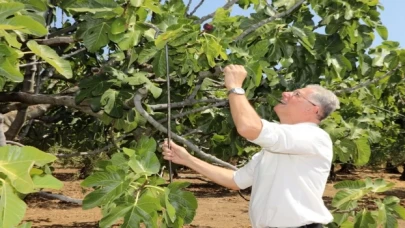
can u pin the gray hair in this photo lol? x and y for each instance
(326, 99)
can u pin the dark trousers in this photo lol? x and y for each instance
(313, 225)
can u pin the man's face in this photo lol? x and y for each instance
(296, 106)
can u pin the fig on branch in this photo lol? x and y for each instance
(208, 27)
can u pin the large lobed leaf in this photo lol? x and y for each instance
(12, 208)
(51, 57)
(16, 163)
(184, 203)
(111, 185)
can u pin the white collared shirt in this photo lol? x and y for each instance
(288, 176)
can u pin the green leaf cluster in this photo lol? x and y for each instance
(127, 187)
(23, 170)
(20, 20)
(351, 209)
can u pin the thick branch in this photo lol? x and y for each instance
(158, 126)
(11, 107)
(263, 22)
(367, 83)
(33, 112)
(60, 197)
(211, 15)
(33, 99)
(56, 40)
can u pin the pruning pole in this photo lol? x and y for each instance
(169, 114)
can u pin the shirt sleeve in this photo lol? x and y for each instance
(243, 177)
(287, 139)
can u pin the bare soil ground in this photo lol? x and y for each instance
(217, 206)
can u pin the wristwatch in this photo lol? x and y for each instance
(239, 91)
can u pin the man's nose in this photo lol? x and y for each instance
(286, 94)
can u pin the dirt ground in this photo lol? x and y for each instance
(218, 207)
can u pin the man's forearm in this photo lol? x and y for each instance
(247, 121)
(217, 174)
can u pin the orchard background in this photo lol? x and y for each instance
(88, 90)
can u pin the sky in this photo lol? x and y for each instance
(393, 17)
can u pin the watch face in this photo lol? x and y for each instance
(237, 91)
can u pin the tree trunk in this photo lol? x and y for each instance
(332, 173)
(34, 111)
(402, 177)
(2, 136)
(346, 169)
(389, 168)
(21, 117)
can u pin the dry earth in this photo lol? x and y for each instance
(218, 207)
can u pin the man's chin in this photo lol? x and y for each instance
(277, 108)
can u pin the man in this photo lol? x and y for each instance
(288, 176)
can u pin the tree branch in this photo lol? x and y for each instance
(367, 83)
(56, 40)
(59, 197)
(33, 112)
(63, 57)
(21, 117)
(14, 143)
(33, 99)
(64, 30)
(3, 141)
(97, 151)
(188, 6)
(274, 11)
(268, 20)
(219, 104)
(138, 106)
(196, 8)
(228, 5)
(11, 107)
(201, 76)
(181, 104)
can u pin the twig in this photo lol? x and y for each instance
(63, 57)
(14, 143)
(97, 151)
(188, 6)
(192, 132)
(138, 106)
(219, 104)
(201, 76)
(196, 8)
(64, 30)
(211, 15)
(388, 111)
(196, 88)
(60, 197)
(263, 22)
(154, 27)
(184, 103)
(367, 83)
(273, 11)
